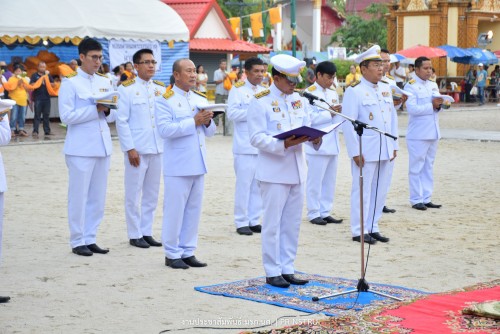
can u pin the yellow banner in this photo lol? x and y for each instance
(235, 25)
(275, 15)
(256, 24)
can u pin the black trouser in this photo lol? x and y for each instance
(468, 87)
(42, 107)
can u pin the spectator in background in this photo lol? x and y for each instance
(73, 64)
(41, 98)
(481, 82)
(3, 67)
(128, 73)
(470, 79)
(118, 71)
(311, 75)
(267, 80)
(411, 72)
(16, 86)
(201, 79)
(353, 76)
(219, 75)
(399, 74)
(433, 76)
(495, 80)
(5, 71)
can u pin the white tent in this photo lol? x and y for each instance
(109, 19)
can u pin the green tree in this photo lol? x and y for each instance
(360, 33)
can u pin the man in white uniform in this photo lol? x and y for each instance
(423, 134)
(370, 102)
(142, 147)
(87, 146)
(183, 126)
(281, 169)
(247, 201)
(322, 164)
(388, 79)
(5, 133)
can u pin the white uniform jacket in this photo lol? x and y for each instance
(372, 104)
(184, 142)
(88, 133)
(321, 118)
(135, 118)
(269, 114)
(239, 99)
(423, 122)
(4, 140)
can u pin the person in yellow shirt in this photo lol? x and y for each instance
(353, 76)
(17, 91)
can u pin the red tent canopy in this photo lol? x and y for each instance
(422, 51)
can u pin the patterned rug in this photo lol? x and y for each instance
(437, 313)
(299, 297)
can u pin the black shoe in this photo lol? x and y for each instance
(379, 237)
(432, 205)
(4, 299)
(83, 251)
(419, 206)
(387, 210)
(141, 243)
(277, 281)
(176, 263)
(96, 249)
(331, 220)
(318, 221)
(368, 239)
(290, 278)
(245, 230)
(192, 261)
(151, 241)
(256, 228)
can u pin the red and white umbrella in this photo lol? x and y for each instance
(422, 51)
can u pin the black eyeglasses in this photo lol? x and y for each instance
(148, 62)
(95, 57)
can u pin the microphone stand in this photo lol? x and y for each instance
(362, 285)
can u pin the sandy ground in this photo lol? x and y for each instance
(131, 291)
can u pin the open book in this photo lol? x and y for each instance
(307, 131)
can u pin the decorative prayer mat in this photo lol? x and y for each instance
(299, 297)
(438, 313)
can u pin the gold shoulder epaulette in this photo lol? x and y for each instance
(355, 83)
(101, 75)
(128, 82)
(199, 93)
(311, 88)
(72, 74)
(159, 83)
(432, 80)
(263, 93)
(389, 76)
(384, 81)
(239, 84)
(412, 81)
(168, 94)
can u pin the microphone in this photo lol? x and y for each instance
(310, 97)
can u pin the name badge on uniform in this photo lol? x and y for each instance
(276, 109)
(296, 104)
(274, 103)
(278, 126)
(334, 100)
(371, 117)
(103, 90)
(385, 94)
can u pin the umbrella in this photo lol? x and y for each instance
(422, 51)
(398, 56)
(454, 51)
(478, 56)
(497, 53)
